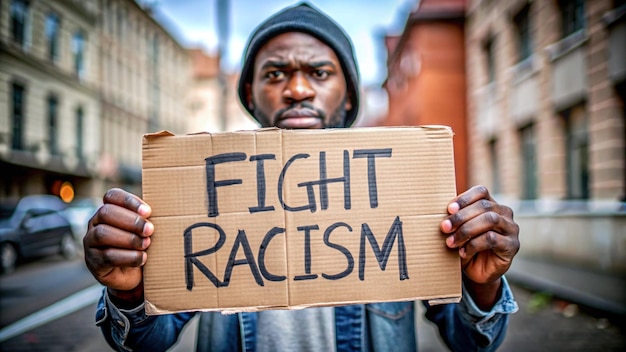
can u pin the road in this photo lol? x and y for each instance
(543, 323)
(38, 284)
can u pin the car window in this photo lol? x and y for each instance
(39, 212)
(6, 210)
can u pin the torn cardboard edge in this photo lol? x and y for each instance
(151, 309)
(291, 142)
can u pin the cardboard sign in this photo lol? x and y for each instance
(285, 219)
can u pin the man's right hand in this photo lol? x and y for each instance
(115, 244)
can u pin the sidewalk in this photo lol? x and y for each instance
(596, 290)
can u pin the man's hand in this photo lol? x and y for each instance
(117, 238)
(487, 239)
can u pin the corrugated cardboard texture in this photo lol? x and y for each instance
(275, 218)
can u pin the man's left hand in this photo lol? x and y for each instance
(484, 233)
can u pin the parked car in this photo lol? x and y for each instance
(34, 227)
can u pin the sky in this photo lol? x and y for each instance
(194, 23)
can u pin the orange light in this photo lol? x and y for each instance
(67, 192)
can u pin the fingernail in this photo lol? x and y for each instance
(453, 207)
(144, 259)
(148, 228)
(145, 242)
(143, 210)
(446, 225)
(450, 241)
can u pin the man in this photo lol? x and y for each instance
(300, 72)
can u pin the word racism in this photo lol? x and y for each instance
(241, 252)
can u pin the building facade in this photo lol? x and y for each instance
(214, 102)
(80, 83)
(145, 79)
(49, 102)
(426, 79)
(547, 125)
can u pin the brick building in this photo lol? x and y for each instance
(547, 126)
(426, 83)
(539, 86)
(213, 100)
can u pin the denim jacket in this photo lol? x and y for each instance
(370, 327)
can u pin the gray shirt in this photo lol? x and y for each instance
(311, 329)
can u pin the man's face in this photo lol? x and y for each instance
(298, 83)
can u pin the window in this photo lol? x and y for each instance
(623, 198)
(110, 18)
(154, 49)
(19, 21)
(120, 23)
(53, 141)
(79, 133)
(52, 36)
(522, 27)
(495, 167)
(572, 16)
(490, 60)
(155, 91)
(18, 97)
(529, 162)
(621, 91)
(577, 153)
(78, 51)
(153, 119)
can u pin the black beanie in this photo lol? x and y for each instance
(306, 19)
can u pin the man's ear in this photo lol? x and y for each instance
(249, 101)
(348, 104)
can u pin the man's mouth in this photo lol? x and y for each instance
(299, 118)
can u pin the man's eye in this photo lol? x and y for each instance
(275, 75)
(321, 74)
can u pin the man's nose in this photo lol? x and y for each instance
(298, 88)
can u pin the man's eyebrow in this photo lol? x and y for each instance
(317, 64)
(284, 64)
(274, 64)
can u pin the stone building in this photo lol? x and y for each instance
(49, 100)
(145, 78)
(547, 125)
(80, 83)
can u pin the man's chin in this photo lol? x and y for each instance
(300, 123)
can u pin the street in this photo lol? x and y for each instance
(543, 323)
(38, 284)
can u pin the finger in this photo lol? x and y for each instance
(462, 201)
(469, 197)
(103, 236)
(102, 261)
(458, 218)
(505, 247)
(116, 268)
(127, 200)
(485, 222)
(122, 218)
